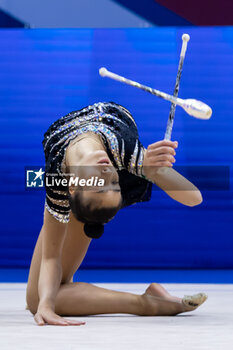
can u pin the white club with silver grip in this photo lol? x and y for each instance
(193, 107)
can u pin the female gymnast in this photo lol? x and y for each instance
(101, 142)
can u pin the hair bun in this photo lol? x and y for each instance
(94, 230)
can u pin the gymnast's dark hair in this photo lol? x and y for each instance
(93, 219)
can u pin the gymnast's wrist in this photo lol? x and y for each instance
(47, 304)
(143, 175)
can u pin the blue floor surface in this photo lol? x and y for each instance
(133, 276)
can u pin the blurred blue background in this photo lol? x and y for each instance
(47, 73)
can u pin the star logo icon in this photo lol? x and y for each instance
(38, 174)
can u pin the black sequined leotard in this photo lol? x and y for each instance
(118, 130)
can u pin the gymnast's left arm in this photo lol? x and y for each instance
(157, 167)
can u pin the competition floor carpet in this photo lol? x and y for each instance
(209, 327)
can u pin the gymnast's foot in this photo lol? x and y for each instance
(158, 302)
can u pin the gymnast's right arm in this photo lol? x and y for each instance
(157, 167)
(53, 236)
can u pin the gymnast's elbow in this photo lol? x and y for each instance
(193, 199)
(189, 198)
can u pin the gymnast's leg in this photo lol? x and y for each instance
(86, 299)
(76, 299)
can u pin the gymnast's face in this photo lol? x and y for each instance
(101, 187)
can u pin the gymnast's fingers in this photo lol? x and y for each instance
(163, 157)
(49, 317)
(164, 163)
(39, 319)
(75, 323)
(173, 144)
(161, 150)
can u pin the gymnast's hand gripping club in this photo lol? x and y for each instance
(193, 107)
